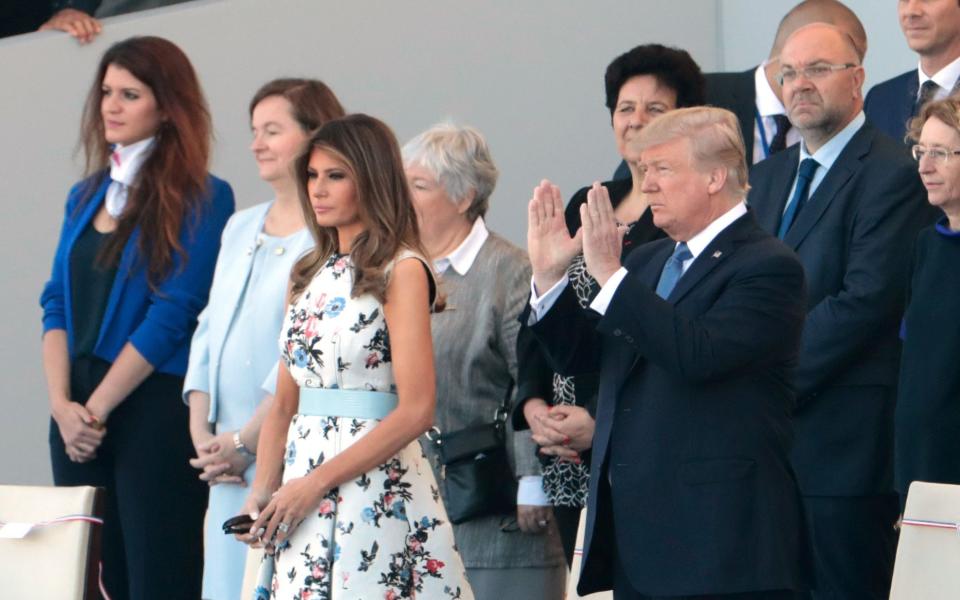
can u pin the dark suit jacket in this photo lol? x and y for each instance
(735, 92)
(889, 105)
(854, 238)
(693, 419)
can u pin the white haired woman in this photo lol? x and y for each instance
(486, 280)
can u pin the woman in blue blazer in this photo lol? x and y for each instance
(131, 273)
(235, 345)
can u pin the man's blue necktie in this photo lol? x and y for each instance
(672, 270)
(808, 167)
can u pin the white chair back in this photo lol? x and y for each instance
(928, 555)
(45, 550)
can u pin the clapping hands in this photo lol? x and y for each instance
(602, 235)
(549, 244)
(551, 247)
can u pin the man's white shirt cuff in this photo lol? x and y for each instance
(541, 304)
(602, 301)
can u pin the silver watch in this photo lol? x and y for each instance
(241, 448)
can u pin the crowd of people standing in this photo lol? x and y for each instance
(736, 354)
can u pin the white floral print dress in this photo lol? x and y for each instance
(384, 535)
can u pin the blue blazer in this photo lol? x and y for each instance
(158, 323)
(226, 294)
(889, 104)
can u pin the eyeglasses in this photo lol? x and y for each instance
(938, 155)
(819, 71)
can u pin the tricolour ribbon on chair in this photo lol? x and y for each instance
(20, 531)
(936, 524)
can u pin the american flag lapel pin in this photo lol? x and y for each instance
(717, 254)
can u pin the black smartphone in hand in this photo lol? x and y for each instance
(237, 524)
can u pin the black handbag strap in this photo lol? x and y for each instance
(503, 411)
(499, 417)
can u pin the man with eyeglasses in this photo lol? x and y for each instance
(849, 202)
(754, 95)
(932, 30)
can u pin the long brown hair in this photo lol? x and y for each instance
(370, 152)
(312, 102)
(172, 181)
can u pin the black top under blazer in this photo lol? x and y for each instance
(854, 237)
(693, 419)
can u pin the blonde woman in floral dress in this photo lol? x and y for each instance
(344, 500)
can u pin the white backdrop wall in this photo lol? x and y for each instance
(529, 75)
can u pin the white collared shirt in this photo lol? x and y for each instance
(946, 78)
(461, 259)
(124, 173)
(768, 105)
(827, 154)
(541, 304)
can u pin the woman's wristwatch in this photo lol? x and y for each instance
(241, 448)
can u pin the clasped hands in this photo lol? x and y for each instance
(82, 431)
(563, 431)
(219, 460)
(551, 247)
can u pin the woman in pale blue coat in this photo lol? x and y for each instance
(230, 378)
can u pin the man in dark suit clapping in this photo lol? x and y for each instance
(691, 492)
(849, 201)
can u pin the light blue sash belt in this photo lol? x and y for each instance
(360, 404)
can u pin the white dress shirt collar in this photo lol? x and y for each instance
(125, 163)
(946, 78)
(768, 104)
(131, 158)
(461, 259)
(699, 242)
(827, 154)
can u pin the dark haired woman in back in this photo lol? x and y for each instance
(640, 85)
(344, 498)
(130, 274)
(230, 380)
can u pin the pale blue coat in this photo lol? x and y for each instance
(232, 358)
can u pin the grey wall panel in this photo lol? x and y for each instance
(747, 29)
(528, 74)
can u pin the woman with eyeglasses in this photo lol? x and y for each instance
(927, 423)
